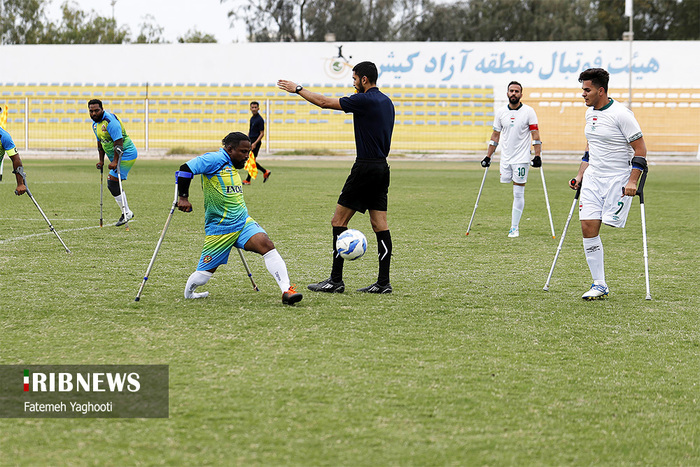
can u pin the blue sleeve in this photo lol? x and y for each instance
(357, 103)
(114, 127)
(6, 141)
(208, 163)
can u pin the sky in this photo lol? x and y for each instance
(176, 17)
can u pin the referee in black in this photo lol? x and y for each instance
(367, 186)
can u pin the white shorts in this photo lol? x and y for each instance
(601, 198)
(516, 173)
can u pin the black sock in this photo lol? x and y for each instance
(337, 271)
(384, 247)
(261, 168)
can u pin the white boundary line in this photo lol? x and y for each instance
(41, 219)
(24, 237)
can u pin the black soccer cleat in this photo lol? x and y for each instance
(329, 285)
(376, 288)
(122, 221)
(291, 296)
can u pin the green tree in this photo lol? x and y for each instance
(330, 16)
(23, 22)
(195, 36)
(151, 33)
(80, 27)
(272, 20)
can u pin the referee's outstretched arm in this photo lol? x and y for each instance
(315, 98)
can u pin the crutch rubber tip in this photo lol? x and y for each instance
(545, 288)
(648, 297)
(466, 234)
(137, 299)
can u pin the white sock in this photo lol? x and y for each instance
(118, 199)
(196, 279)
(518, 205)
(593, 248)
(275, 264)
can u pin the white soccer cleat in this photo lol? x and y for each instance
(196, 295)
(514, 232)
(596, 292)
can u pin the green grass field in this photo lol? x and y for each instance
(468, 362)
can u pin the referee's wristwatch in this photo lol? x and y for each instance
(299, 88)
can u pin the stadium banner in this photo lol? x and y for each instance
(84, 391)
(655, 64)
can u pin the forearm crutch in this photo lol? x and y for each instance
(546, 198)
(20, 171)
(102, 184)
(477, 200)
(121, 191)
(160, 242)
(563, 236)
(247, 269)
(640, 193)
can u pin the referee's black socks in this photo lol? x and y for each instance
(337, 271)
(384, 247)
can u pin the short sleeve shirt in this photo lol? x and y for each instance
(373, 120)
(7, 146)
(224, 208)
(515, 126)
(257, 126)
(111, 129)
(609, 132)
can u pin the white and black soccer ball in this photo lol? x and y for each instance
(351, 244)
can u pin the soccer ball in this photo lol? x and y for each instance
(351, 244)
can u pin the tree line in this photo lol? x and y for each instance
(25, 21)
(467, 20)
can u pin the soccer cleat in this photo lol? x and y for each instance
(596, 292)
(329, 286)
(122, 221)
(376, 288)
(246, 182)
(514, 232)
(266, 175)
(196, 295)
(291, 296)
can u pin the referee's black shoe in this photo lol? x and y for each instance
(376, 288)
(329, 285)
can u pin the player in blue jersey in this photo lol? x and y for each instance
(113, 141)
(367, 186)
(7, 146)
(227, 223)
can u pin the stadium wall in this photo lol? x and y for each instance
(190, 94)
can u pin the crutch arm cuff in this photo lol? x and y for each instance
(183, 180)
(585, 157)
(639, 163)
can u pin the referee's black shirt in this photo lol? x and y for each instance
(373, 119)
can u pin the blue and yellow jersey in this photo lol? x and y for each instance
(224, 208)
(7, 146)
(109, 130)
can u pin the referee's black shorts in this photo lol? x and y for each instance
(367, 186)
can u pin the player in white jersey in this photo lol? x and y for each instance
(513, 125)
(612, 164)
